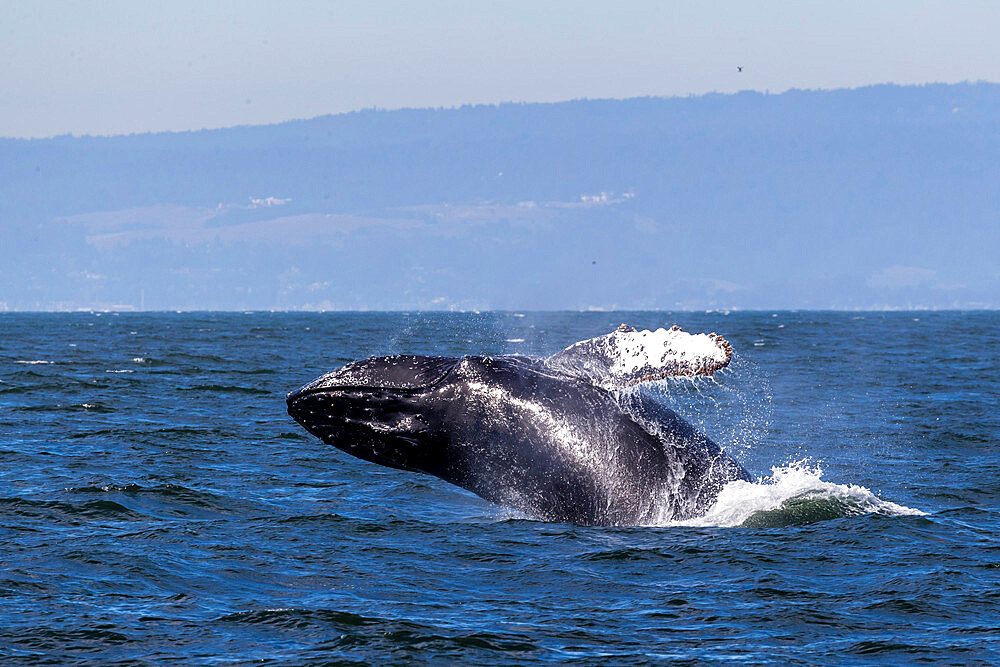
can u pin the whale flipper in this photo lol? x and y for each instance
(626, 356)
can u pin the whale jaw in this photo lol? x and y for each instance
(375, 425)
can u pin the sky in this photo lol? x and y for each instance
(118, 67)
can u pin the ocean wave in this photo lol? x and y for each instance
(64, 512)
(793, 495)
(228, 389)
(351, 629)
(174, 493)
(74, 407)
(82, 639)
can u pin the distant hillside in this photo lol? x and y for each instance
(886, 196)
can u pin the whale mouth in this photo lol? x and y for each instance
(401, 373)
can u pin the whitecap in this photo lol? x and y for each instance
(33, 362)
(786, 490)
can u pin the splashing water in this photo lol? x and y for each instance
(733, 407)
(794, 494)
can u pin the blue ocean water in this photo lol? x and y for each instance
(157, 504)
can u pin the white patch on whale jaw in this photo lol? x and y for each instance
(626, 356)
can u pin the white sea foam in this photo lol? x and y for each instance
(515, 340)
(788, 487)
(33, 362)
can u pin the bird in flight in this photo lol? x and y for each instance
(739, 68)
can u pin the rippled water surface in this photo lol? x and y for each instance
(158, 504)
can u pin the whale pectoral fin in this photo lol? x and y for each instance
(626, 356)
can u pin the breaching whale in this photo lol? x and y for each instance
(563, 438)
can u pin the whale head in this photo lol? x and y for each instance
(374, 409)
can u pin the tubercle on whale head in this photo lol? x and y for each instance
(400, 372)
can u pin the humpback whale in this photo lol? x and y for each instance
(567, 438)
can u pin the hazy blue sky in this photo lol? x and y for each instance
(128, 66)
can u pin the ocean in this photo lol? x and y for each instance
(158, 504)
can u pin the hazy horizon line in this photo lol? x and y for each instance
(377, 109)
(181, 311)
